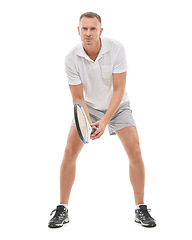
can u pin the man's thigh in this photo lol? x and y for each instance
(130, 139)
(74, 143)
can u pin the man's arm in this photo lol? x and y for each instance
(77, 95)
(119, 82)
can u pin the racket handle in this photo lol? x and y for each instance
(93, 130)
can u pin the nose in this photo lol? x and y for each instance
(88, 33)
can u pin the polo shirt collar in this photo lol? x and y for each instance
(104, 49)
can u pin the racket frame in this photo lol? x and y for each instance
(88, 127)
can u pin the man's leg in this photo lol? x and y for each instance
(68, 166)
(130, 140)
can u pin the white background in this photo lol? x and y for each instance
(36, 112)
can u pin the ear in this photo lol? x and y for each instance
(78, 30)
(101, 30)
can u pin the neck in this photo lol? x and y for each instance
(93, 50)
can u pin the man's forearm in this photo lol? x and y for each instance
(113, 106)
(119, 81)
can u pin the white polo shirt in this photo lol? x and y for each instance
(96, 76)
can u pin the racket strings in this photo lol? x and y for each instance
(83, 124)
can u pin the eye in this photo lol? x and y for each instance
(93, 29)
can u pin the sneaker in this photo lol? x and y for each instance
(60, 217)
(142, 216)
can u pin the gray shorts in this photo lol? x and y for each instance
(121, 119)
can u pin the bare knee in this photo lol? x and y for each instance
(135, 157)
(70, 155)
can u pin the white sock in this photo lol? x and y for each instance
(65, 205)
(137, 206)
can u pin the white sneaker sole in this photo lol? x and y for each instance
(59, 225)
(143, 224)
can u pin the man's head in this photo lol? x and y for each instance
(90, 15)
(90, 28)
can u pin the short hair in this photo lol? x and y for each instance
(90, 15)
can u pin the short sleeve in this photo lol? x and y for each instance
(71, 71)
(120, 62)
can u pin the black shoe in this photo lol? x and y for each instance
(60, 217)
(142, 216)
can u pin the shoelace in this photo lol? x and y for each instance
(58, 213)
(145, 213)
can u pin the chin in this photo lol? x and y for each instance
(88, 43)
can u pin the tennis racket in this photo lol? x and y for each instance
(83, 127)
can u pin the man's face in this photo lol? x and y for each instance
(90, 30)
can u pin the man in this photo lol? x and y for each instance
(96, 69)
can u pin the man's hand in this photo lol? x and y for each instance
(100, 129)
